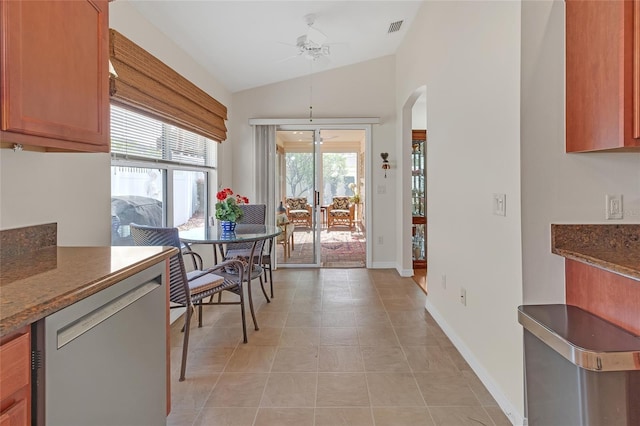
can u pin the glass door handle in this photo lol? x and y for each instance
(317, 198)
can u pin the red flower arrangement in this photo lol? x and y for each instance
(227, 205)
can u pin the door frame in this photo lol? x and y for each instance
(363, 123)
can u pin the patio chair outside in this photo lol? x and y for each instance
(299, 211)
(340, 212)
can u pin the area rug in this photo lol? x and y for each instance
(340, 248)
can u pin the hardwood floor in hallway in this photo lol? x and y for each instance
(420, 278)
(335, 347)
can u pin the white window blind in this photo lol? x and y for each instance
(136, 136)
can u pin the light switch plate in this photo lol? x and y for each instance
(614, 207)
(500, 204)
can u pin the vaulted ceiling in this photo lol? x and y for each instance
(247, 44)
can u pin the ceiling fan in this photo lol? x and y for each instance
(312, 44)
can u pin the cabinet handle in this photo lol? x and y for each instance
(67, 333)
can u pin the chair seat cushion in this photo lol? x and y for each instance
(298, 213)
(199, 283)
(229, 254)
(340, 213)
(256, 271)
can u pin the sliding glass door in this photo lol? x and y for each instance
(320, 179)
(298, 170)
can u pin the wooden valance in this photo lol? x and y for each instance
(147, 85)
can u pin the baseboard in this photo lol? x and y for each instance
(176, 314)
(405, 272)
(382, 265)
(516, 418)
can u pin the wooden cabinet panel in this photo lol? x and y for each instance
(16, 415)
(14, 365)
(600, 75)
(55, 82)
(605, 294)
(15, 379)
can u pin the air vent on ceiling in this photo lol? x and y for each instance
(395, 26)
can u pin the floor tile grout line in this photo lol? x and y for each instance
(204, 404)
(269, 372)
(411, 369)
(366, 377)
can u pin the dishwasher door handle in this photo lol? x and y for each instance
(85, 323)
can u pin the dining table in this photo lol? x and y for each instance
(219, 239)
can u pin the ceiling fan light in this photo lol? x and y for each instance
(302, 41)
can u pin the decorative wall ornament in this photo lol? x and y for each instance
(385, 163)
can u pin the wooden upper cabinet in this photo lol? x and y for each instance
(602, 94)
(55, 74)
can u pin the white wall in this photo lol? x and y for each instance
(69, 189)
(360, 90)
(468, 56)
(558, 187)
(419, 113)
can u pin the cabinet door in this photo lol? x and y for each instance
(16, 415)
(55, 82)
(599, 75)
(15, 379)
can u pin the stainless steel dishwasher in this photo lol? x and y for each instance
(103, 359)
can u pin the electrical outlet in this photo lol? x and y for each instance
(380, 240)
(613, 206)
(443, 281)
(463, 296)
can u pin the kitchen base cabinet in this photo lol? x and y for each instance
(15, 379)
(608, 295)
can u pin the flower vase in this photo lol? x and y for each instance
(227, 226)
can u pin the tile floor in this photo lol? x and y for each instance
(335, 347)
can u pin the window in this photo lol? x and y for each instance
(339, 170)
(160, 174)
(299, 174)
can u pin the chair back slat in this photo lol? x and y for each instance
(155, 236)
(254, 214)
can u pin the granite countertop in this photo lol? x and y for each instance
(614, 248)
(36, 284)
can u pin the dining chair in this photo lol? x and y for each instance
(254, 214)
(187, 289)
